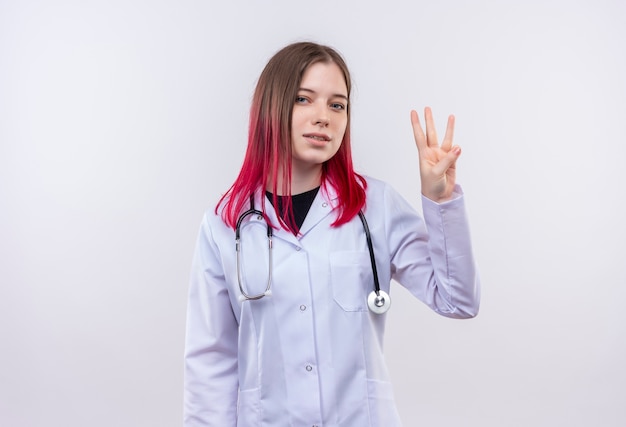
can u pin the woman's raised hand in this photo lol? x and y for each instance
(437, 163)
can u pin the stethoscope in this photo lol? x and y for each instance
(378, 300)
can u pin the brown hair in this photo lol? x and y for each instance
(269, 149)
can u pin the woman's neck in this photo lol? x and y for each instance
(301, 180)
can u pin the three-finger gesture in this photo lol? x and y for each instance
(437, 163)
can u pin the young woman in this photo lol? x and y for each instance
(285, 327)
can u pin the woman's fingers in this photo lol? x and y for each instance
(447, 162)
(431, 132)
(446, 145)
(429, 138)
(418, 133)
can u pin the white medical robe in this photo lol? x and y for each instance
(311, 354)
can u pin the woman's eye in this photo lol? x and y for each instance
(337, 106)
(300, 100)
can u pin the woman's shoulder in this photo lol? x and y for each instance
(377, 186)
(383, 197)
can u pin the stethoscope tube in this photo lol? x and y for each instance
(268, 289)
(370, 247)
(378, 300)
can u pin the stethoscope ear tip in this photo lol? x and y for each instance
(268, 293)
(242, 298)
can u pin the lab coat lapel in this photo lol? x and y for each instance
(323, 204)
(279, 233)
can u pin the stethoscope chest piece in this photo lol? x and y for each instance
(378, 303)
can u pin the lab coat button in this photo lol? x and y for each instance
(302, 307)
(309, 368)
(324, 205)
(298, 248)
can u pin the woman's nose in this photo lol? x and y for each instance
(321, 116)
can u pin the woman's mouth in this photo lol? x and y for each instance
(317, 138)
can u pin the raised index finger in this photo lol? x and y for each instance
(418, 133)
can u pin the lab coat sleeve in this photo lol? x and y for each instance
(433, 257)
(210, 377)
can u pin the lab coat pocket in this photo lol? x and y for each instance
(249, 408)
(351, 279)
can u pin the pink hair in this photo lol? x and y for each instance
(269, 140)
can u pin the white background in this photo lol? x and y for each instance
(122, 121)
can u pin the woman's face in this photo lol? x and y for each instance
(320, 117)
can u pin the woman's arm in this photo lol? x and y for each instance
(211, 381)
(433, 258)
